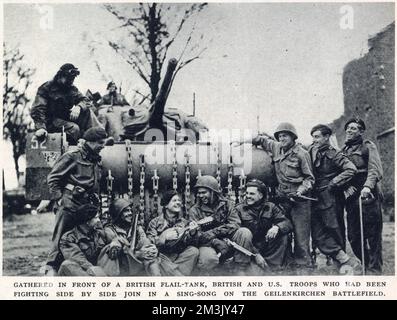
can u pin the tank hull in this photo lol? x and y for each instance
(163, 159)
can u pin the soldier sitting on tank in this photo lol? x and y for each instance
(263, 231)
(82, 245)
(74, 181)
(211, 203)
(59, 105)
(131, 257)
(173, 235)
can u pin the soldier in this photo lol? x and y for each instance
(365, 156)
(295, 178)
(113, 98)
(173, 235)
(263, 230)
(332, 170)
(132, 257)
(59, 104)
(74, 181)
(211, 203)
(82, 245)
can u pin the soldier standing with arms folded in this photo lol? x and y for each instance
(295, 179)
(365, 156)
(332, 171)
(74, 181)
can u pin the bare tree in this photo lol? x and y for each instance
(148, 30)
(16, 119)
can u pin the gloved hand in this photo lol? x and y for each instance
(75, 112)
(41, 133)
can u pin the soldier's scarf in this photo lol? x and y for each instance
(91, 154)
(355, 141)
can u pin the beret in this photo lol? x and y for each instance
(94, 134)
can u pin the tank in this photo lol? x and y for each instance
(133, 165)
(163, 159)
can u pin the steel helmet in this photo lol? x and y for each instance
(117, 207)
(285, 127)
(208, 182)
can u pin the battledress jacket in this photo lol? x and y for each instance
(293, 167)
(80, 167)
(54, 101)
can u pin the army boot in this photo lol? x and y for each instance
(348, 265)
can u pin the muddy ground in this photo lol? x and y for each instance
(26, 239)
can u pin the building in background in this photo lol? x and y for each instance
(368, 88)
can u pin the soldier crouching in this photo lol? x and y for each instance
(129, 252)
(82, 245)
(174, 236)
(263, 231)
(210, 203)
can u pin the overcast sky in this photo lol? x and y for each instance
(285, 60)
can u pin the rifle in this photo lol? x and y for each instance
(292, 197)
(132, 236)
(243, 250)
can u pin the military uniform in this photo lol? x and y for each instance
(332, 170)
(294, 174)
(183, 252)
(81, 247)
(255, 221)
(74, 180)
(114, 99)
(365, 156)
(224, 225)
(51, 110)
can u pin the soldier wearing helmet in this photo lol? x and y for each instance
(211, 203)
(60, 105)
(365, 184)
(295, 178)
(130, 251)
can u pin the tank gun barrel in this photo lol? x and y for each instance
(158, 105)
